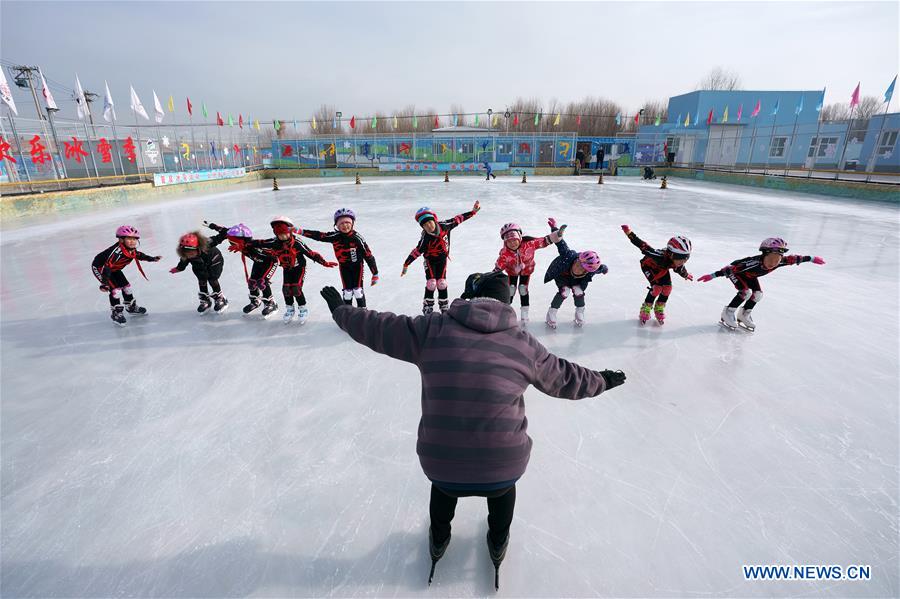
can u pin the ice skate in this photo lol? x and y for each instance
(497, 556)
(427, 306)
(523, 314)
(579, 316)
(253, 305)
(270, 307)
(551, 318)
(744, 319)
(727, 319)
(437, 552)
(220, 302)
(135, 310)
(117, 315)
(659, 310)
(302, 314)
(205, 303)
(443, 305)
(644, 314)
(288, 314)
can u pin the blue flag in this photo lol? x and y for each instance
(678, 121)
(889, 93)
(799, 108)
(618, 119)
(821, 101)
(775, 110)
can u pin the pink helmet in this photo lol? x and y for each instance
(680, 246)
(128, 231)
(510, 229)
(774, 244)
(590, 261)
(240, 230)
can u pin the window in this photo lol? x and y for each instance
(827, 147)
(674, 144)
(886, 145)
(776, 149)
(812, 147)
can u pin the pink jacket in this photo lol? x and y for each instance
(521, 261)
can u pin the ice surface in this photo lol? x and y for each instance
(224, 456)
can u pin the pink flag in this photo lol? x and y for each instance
(740, 111)
(854, 99)
(756, 110)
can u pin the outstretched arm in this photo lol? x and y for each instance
(560, 378)
(399, 337)
(635, 240)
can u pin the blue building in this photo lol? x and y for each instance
(718, 129)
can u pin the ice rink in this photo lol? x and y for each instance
(221, 455)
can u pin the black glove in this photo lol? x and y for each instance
(213, 226)
(613, 378)
(332, 297)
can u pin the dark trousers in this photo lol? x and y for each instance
(501, 505)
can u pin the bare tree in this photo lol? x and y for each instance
(720, 78)
(325, 121)
(526, 111)
(867, 108)
(653, 109)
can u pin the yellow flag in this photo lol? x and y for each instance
(314, 123)
(171, 104)
(256, 124)
(494, 124)
(687, 119)
(556, 120)
(725, 115)
(395, 121)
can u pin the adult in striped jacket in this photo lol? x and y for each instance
(475, 363)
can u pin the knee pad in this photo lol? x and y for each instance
(564, 291)
(358, 293)
(347, 293)
(126, 289)
(115, 292)
(431, 284)
(441, 284)
(512, 290)
(757, 296)
(577, 291)
(656, 290)
(667, 290)
(745, 293)
(523, 289)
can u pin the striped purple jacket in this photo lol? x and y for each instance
(475, 364)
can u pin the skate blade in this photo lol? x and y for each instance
(727, 326)
(119, 324)
(224, 309)
(744, 327)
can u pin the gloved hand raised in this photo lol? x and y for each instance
(626, 229)
(818, 260)
(705, 278)
(173, 270)
(332, 297)
(613, 378)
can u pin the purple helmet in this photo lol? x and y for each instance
(240, 230)
(341, 212)
(127, 231)
(590, 261)
(774, 244)
(680, 246)
(509, 229)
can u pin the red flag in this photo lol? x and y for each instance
(437, 122)
(516, 120)
(353, 122)
(710, 117)
(578, 120)
(756, 109)
(740, 111)
(241, 121)
(637, 118)
(219, 120)
(854, 99)
(190, 107)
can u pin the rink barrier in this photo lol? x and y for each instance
(89, 197)
(858, 190)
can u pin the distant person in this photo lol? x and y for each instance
(475, 363)
(649, 173)
(490, 171)
(579, 161)
(600, 156)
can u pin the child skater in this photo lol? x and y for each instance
(434, 246)
(571, 271)
(655, 265)
(206, 261)
(107, 267)
(745, 273)
(516, 259)
(351, 250)
(291, 253)
(259, 280)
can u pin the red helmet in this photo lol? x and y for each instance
(680, 246)
(189, 241)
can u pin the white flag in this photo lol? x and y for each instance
(159, 111)
(80, 102)
(6, 94)
(109, 109)
(136, 104)
(48, 97)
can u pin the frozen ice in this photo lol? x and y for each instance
(219, 455)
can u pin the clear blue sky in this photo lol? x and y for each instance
(284, 59)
